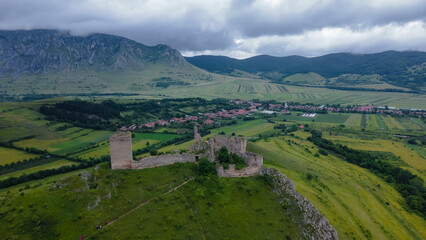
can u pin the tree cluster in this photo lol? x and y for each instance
(225, 159)
(410, 186)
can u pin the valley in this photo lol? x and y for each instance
(348, 131)
(357, 202)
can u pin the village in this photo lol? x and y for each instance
(309, 110)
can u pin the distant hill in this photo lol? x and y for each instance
(403, 69)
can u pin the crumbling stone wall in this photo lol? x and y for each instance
(314, 225)
(254, 166)
(162, 160)
(121, 150)
(234, 145)
(121, 154)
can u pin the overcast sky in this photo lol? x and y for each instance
(235, 28)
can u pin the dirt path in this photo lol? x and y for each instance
(147, 201)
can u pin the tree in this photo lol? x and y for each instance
(205, 167)
(223, 155)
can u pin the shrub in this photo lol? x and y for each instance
(205, 167)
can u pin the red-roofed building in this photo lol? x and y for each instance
(208, 122)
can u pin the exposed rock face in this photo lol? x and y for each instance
(44, 51)
(314, 225)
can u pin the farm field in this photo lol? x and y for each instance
(264, 90)
(248, 128)
(392, 123)
(10, 155)
(67, 144)
(52, 165)
(381, 123)
(415, 161)
(354, 120)
(357, 203)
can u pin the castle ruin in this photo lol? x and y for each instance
(121, 150)
(121, 154)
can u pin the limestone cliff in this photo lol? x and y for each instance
(313, 224)
(46, 51)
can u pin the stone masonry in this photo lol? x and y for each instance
(162, 160)
(121, 150)
(121, 154)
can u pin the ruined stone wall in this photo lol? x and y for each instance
(313, 225)
(121, 150)
(162, 160)
(234, 145)
(254, 167)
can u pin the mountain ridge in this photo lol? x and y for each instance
(405, 69)
(44, 51)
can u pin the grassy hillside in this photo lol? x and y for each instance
(65, 207)
(357, 203)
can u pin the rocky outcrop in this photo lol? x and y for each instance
(313, 224)
(46, 51)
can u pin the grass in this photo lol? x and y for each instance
(9, 155)
(197, 212)
(408, 123)
(414, 159)
(380, 121)
(392, 123)
(52, 165)
(354, 120)
(154, 136)
(338, 118)
(71, 205)
(372, 121)
(355, 201)
(264, 90)
(248, 128)
(75, 139)
(62, 204)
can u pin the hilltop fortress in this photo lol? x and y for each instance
(121, 154)
(313, 224)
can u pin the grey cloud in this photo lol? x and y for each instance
(217, 26)
(256, 20)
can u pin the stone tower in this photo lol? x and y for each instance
(120, 144)
(197, 136)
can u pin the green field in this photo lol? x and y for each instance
(380, 121)
(354, 120)
(9, 155)
(248, 128)
(355, 201)
(70, 142)
(392, 123)
(52, 165)
(264, 90)
(414, 159)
